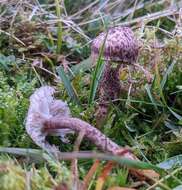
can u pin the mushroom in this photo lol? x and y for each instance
(121, 47)
(47, 115)
(121, 50)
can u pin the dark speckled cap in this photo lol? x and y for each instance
(121, 45)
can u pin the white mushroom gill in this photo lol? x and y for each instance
(43, 107)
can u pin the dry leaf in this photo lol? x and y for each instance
(145, 174)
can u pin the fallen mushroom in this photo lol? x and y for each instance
(47, 116)
(43, 107)
(121, 48)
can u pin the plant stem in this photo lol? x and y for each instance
(59, 27)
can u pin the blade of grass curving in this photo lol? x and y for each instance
(169, 70)
(97, 73)
(150, 96)
(158, 83)
(179, 117)
(82, 155)
(171, 126)
(36, 154)
(67, 84)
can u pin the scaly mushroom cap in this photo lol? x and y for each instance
(120, 46)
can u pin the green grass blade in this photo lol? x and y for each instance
(82, 155)
(169, 70)
(135, 164)
(68, 86)
(97, 73)
(158, 83)
(95, 82)
(59, 27)
(179, 117)
(36, 154)
(150, 96)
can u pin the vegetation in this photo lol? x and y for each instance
(49, 42)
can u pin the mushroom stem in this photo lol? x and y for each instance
(109, 89)
(110, 84)
(99, 139)
(90, 132)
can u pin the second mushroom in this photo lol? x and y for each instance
(121, 48)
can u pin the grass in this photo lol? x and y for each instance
(33, 37)
(97, 73)
(59, 27)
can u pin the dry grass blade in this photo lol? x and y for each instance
(150, 17)
(90, 174)
(12, 36)
(104, 174)
(40, 155)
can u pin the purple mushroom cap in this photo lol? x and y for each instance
(120, 46)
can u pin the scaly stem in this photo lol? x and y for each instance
(109, 89)
(91, 133)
